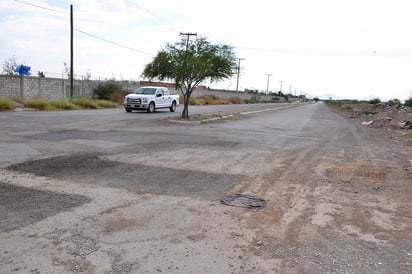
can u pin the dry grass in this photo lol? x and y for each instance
(356, 172)
(214, 100)
(6, 104)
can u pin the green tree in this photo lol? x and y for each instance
(107, 89)
(190, 63)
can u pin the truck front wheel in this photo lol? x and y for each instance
(151, 108)
(173, 107)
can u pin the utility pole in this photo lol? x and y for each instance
(290, 89)
(267, 85)
(238, 73)
(71, 51)
(281, 82)
(188, 34)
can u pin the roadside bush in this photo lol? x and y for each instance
(275, 100)
(106, 104)
(76, 103)
(39, 104)
(375, 101)
(118, 97)
(253, 100)
(394, 102)
(105, 90)
(6, 104)
(195, 101)
(83, 102)
(62, 104)
(209, 100)
(235, 100)
(368, 112)
(344, 102)
(408, 102)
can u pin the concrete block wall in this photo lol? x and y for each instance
(31, 87)
(10, 86)
(28, 87)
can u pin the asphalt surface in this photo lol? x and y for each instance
(105, 191)
(72, 145)
(26, 135)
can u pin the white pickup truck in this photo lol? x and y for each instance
(150, 98)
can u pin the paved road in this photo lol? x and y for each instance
(71, 145)
(29, 134)
(106, 191)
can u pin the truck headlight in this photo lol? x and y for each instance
(144, 100)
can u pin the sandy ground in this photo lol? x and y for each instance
(342, 206)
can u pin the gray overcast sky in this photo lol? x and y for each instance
(351, 48)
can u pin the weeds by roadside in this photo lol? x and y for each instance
(6, 104)
(215, 100)
(49, 105)
(115, 100)
(85, 103)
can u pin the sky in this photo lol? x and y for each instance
(349, 48)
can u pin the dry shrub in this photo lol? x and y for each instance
(39, 104)
(85, 103)
(235, 100)
(118, 97)
(209, 100)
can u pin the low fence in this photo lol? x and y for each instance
(28, 87)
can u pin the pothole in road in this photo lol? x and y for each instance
(138, 178)
(21, 206)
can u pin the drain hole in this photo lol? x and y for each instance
(242, 200)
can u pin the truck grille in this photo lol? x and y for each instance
(134, 101)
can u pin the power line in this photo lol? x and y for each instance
(132, 9)
(87, 33)
(111, 42)
(40, 7)
(152, 14)
(154, 18)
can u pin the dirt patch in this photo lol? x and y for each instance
(119, 224)
(357, 172)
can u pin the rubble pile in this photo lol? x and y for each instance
(395, 119)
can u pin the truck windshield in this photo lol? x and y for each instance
(146, 91)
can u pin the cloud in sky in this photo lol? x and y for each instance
(349, 48)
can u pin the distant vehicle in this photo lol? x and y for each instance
(150, 98)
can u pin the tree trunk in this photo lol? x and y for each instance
(185, 113)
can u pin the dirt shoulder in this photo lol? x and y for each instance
(392, 120)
